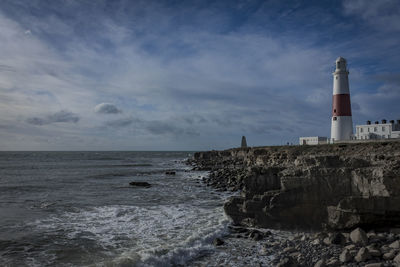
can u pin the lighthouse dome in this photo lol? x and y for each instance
(339, 59)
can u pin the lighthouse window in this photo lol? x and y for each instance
(334, 118)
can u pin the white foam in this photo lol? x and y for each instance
(147, 236)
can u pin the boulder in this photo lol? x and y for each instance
(140, 184)
(359, 237)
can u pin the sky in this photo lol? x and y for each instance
(189, 75)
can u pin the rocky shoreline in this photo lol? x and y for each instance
(331, 192)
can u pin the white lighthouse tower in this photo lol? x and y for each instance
(342, 123)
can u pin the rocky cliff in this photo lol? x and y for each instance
(337, 186)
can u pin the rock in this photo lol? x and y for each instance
(350, 247)
(337, 239)
(308, 187)
(332, 262)
(397, 259)
(320, 263)
(289, 250)
(362, 255)
(359, 237)
(256, 235)
(218, 242)
(170, 172)
(141, 184)
(287, 262)
(389, 255)
(374, 265)
(345, 256)
(316, 242)
(395, 244)
(375, 252)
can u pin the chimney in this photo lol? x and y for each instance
(383, 121)
(376, 122)
(368, 122)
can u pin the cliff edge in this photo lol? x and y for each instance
(339, 186)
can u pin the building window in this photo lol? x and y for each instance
(375, 129)
(336, 77)
(368, 129)
(383, 128)
(361, 130)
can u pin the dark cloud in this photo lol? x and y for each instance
(107, 108)
(61, 116)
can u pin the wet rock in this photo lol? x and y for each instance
(170, 172)
(362, 255)
(140, 184)
(218, 242)
(359, 237)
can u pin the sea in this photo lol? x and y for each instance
(78, 209)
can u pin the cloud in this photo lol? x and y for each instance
(384, 14)
(61, 116)
(119, 123)
(106, 108)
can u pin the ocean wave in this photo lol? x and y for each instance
(140, 236)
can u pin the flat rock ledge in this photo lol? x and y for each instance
(336, 187)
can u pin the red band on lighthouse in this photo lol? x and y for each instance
(341, 105)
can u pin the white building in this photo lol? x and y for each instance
(313, 140)
(378, 130)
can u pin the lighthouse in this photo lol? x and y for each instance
(342, 123)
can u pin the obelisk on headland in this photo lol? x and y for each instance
(244, 142)
(342, 122)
